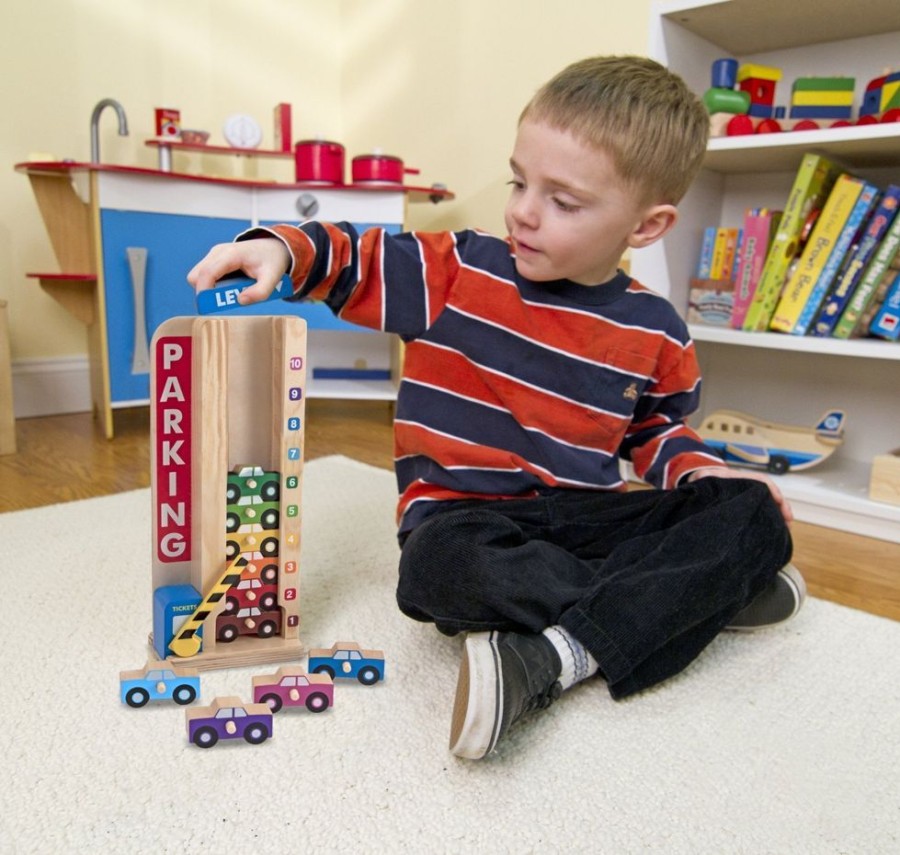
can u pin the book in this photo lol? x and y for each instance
(732, 240)
(759, 229)
(886, 323)
(710, 302)
(811, 185)
(869, 282)
(704, 263)
(718, 256)
(849, 277)
(849, 202)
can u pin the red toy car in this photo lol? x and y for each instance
(251, 621)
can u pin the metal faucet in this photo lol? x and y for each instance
(95, 125)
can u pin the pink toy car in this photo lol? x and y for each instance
(290, 685)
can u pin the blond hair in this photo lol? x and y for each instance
(635, 110)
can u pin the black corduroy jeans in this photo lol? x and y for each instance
(645, 580)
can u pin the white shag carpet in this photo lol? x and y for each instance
(787, 741)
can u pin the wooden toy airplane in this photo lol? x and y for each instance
(747, 441)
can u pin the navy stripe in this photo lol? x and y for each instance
(475, 422)
(593, 385)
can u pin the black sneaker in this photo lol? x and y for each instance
(502, 676)
(776, 604)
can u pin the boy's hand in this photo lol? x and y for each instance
(725, 472)
(262, 259)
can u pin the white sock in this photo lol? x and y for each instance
(577, 663)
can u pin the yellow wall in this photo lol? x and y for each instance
(439, 83)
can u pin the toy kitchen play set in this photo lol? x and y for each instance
(126, 236)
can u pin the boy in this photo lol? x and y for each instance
(532, 367)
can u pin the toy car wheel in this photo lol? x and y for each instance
(184, 694)
(267, 629)
(205, 737)
(256, 733)
(137, 697)
(778, 465)
(232, 521)
(232, 494)
(269, 547)
(270, 491)
(227, 633)
(269, 520)
(317, 702)
(368, 676)
(231, 606)
(324, 669)
(272, 701)
(267, 602)
(269, 574)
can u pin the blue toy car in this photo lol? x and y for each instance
(158, 681)
(346, 659)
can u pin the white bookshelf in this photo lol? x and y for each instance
(780, 377)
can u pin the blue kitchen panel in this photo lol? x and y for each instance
(174, 244)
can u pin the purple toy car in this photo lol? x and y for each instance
(228, 718)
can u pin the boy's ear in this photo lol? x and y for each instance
(657, 221)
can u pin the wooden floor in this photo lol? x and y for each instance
(62, 458)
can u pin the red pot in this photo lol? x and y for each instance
(319, 162)
(382, 168)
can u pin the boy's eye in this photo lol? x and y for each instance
(567, 207)
(516, 182)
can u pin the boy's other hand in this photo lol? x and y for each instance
(262, 259)
(724, 472)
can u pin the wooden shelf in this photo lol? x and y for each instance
(744, 27)
(218, 149)
(861, 147)
(854, 347)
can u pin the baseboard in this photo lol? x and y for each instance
(49, 387)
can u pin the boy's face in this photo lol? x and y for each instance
(569, 215)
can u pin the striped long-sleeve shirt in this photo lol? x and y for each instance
(510, 387)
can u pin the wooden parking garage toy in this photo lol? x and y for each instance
(227, 426)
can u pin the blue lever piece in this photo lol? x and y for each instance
(224, 297)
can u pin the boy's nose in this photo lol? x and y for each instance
(524, 210)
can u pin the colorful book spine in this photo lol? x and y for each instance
(868, 284)
(816, 253)
(758, 229)
(812, 183)
(886, 323)
(732, 238)
(855, 222)
(840, 295)
(704, 264)
(718, 257)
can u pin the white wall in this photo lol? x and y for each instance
(439, 83)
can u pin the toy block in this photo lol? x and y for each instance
(724, 73)
(820, 112)
(884, 482)
(726, 101)
(750, 70)
(824, 84)
(808, 98)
